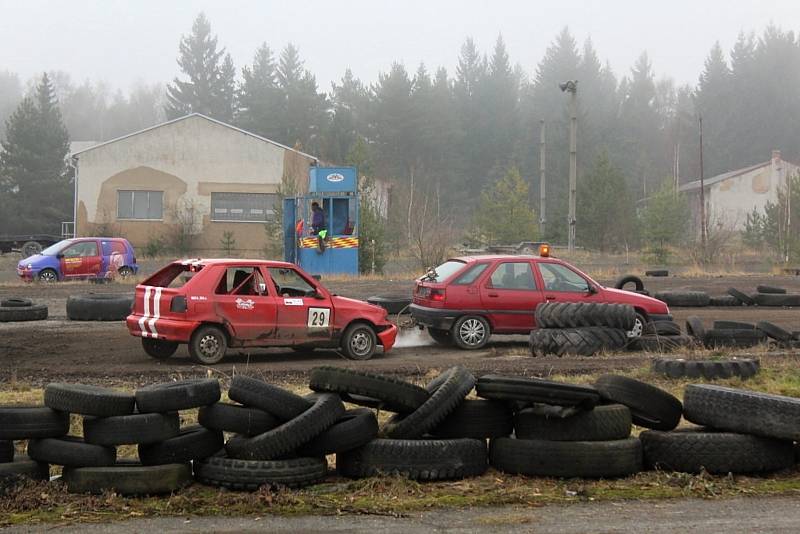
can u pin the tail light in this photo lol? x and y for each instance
(178, 304)
(437, 295)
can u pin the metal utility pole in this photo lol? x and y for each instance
(703, 225)
(571, 86)
(542, 182)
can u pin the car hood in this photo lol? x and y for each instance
(355, 304)
(650, 304)
(34, 260)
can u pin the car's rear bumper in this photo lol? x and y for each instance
(387, 337)
(438, 318)
(161, 328)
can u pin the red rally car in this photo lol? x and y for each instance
(215, 304)
(466, 300)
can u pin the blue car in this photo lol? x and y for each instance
(80, 258)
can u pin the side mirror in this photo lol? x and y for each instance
(592, 289)
(59, 256)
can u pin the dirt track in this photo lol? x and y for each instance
(39, 352)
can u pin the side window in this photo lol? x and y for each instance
(513, 275)
(288, 283)
(81, 250)
(470, 275)
(240, 281)
(559, 278)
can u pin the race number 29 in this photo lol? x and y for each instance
(319, 317)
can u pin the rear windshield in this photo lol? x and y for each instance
(444, 271)
(174, 275)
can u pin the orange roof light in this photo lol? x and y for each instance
(544, 250)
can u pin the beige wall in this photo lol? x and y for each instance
(187, 160)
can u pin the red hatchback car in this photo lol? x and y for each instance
(215, 304)
(467, 299)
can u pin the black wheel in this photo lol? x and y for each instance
(158, 348)
(638, 327)
(48, 275)
(442, 337)
(31, 248)
(359, 342)
(208, 345)
(471, 332)
(125, 272)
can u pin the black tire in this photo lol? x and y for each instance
(425, 459)
(747, 412)
(771, 289)
(180, 395)
(724, 300)
(15, 302)
(327, 409)
(477, 419)
(249, 475)
(471, 332)
(743, 298)
(662, 328)
(683, 298)
(47, 276)
(697, 450)
(88, 400)
(128, 478)
(354, 429)
(442, 337)
(638, 327)
(586, 341)
(650, 406)
(36, 312)
(25, 422)
(731, 337)
(622, 281)
(131, 429)
(772, 300)
(708, 369)
(359, 341)
(71, 451)
(736, 325)
(22, 467)
(447, 391)
(236, 419)
(6, 451)
(583, 314)
(695, 328)
(124, 272)
(277, 401)
(774, 331)
(30, 248)
(158, 348)
(388, 392)
(392, 305)
(533, 390)
(568, 459)
(655, 343)
(207, 345)
(657, 272)
(193, 443)
(603, 423)
(99, 307)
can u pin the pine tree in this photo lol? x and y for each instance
(209, 88)
(302, 114)
(34, 183)
(606, 216)
(664, 220)
(348, 125)
(505, 215)
(713, 104)
(259, 98)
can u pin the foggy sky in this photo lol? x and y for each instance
(121, 42)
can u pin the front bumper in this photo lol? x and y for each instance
(166, 329)
(438, 318)
(387, 337)
(660, 317)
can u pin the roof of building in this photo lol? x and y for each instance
(173, 121)
(693, 185)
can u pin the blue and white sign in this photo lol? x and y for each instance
(332, 180)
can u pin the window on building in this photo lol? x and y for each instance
(140, 205)
(253, 207)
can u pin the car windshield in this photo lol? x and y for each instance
(52, 250)
(444, 271)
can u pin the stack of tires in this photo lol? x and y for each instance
(661, 336)
(23, 423)
(734, 333)
(566, 430)
(684, 299)
(768, 296)
(15, 309)
(581, 329)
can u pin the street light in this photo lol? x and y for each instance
(571, 87)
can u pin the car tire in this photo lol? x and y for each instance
(275, 400)
(657, 272)
(774, 331)
(88, 400)
(743, 298)
(36, 312)
(138, 428)
(695, 328)
(567, 459)
(99, 307)
(352, 430)
(22, 467)
(384, 392)
(424, 459)
(359, 341)
(771, 290)
(733, 337)
(650, 406)
(584, 314)
(71, 451)
(159, 348)
(739, 410)
(586, 341)
(30, 248)
(477, 419)
(471, 332)
(207, 345)
(773, 300)
(442, 337)
(708, 369)
(683, 298)
(622, 281)
(124, 272)
(25, 422)
(236, 419)
(175, 396)
(193, 443)
(662, 328)
(47, 276)
(603, 423)
(656, 343)
(447, 391)
(15, 302)
(724, 300)
(392, 305)
(249, 475)
(6, 451)
(637, 330)
(127, 478)
(536, 390)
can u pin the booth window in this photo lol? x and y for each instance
(146, 205)
(248, 207)
(343, 216)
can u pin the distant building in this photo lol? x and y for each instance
(730, 196)
(194, 176)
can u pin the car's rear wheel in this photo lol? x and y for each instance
(638, 327)
(48, 275)
(158, 348)
(442, 337)
(208, 345)
(359, 342)
(125, 272)
(471, 332)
